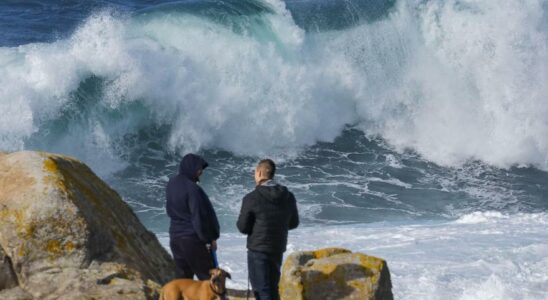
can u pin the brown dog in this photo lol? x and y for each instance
(188, 289)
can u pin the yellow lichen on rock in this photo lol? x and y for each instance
(334, 273)
(53, 247)
(21, 250)
(69, 246)
(50, 165)
(326, 252)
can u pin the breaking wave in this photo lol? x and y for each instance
(452, 80)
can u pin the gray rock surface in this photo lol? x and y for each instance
(65, 234)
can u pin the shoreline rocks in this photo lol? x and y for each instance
(335, 273)
(65, 234)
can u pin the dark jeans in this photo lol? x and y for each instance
(191, 258)
(264, 274)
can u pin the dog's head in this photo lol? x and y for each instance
(218, 278)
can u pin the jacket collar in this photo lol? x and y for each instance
(269, 182)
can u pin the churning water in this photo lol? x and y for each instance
(413, 130)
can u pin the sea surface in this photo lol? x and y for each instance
(413, 130)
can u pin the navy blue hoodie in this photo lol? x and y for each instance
(187, 205)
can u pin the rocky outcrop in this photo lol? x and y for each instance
(334, 273)
(64, 234)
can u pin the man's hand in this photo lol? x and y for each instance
(214, 246)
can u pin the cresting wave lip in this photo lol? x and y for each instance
(451, 80)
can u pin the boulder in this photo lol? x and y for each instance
(334, 273)
(65, 234)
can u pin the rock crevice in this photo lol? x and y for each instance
(8, 278)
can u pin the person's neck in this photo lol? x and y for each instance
(266, 181)
(262, 181)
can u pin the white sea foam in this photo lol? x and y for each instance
(481, 217)
(392, 181)
(392, 161)
(502, 257)
(454, 80)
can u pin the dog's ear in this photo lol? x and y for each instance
(228, 275)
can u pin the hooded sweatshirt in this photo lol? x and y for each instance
(266, 216)
(187, 205)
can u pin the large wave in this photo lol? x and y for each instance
(453, 80)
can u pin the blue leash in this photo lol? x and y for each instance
(214, 257)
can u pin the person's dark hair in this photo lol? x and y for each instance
(268, 167)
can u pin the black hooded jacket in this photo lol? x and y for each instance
(267, 214)
(187, 205)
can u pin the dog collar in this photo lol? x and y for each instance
(222, 294)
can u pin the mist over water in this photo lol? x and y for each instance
(403, 118)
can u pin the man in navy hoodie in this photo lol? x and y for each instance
(266, 216)
(194, 227)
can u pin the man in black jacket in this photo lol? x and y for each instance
(267, 213)
(194, 226)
